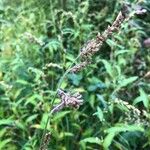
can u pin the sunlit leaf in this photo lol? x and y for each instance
(6, 122)
(60, 115)
(108, 67)
(142, 98)
(94, 140)
(99, 114)
(4, 142)
(108, 140)
(127, 81)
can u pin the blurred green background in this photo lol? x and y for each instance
(115, 87)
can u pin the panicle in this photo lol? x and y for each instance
(94, 45)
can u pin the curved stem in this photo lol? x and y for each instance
(53, 100)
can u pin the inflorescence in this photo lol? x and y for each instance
(94, 45)
(68, 100)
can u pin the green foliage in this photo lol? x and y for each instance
(29, 75)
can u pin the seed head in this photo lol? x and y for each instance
(67, 100)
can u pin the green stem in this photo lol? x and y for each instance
(53, 100)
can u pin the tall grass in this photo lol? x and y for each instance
(115, 86)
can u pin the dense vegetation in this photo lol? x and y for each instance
(39, 39)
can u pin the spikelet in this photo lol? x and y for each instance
(68, 100)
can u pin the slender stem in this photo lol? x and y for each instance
(53, 100)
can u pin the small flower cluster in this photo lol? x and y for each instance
(68, 100)
(33, 39)
(130, 107)
(90, 48)
(93, 46)
(52, 65)
(78, 67)
(134, 115)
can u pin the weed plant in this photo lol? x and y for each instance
(39, 41)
